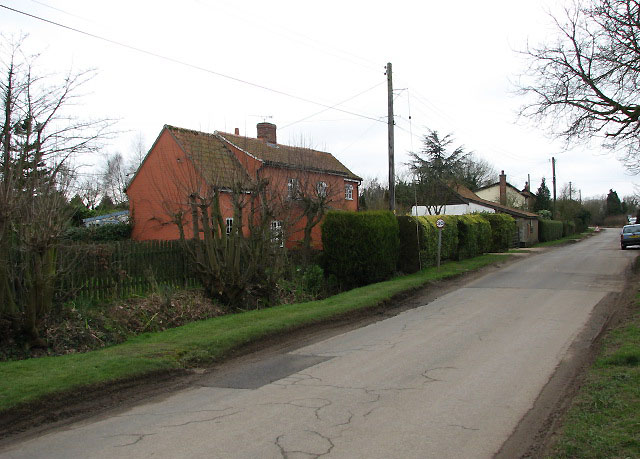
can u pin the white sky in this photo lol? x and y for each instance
(456, 61)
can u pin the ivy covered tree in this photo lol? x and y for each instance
(543, 198)
(614, 206)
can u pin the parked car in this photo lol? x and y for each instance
(630, 235)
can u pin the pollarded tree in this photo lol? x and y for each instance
(584, 81)
(543, 198)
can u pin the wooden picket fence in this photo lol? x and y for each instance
(119, 269)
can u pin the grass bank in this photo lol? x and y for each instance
(604, 419)
(201, 342)
(572, 237)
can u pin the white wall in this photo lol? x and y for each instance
(455, 209)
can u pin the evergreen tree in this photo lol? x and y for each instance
(543, 198)
(614, 206)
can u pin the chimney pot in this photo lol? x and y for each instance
(267, 132)
(237, 131)
(503, 189)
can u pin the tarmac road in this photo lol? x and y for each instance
(449, 379)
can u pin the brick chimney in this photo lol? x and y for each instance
(237, 131)
(267, 132)
(503, 189)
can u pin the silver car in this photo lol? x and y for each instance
(630, 235)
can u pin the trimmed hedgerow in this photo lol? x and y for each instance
(549, 230)
(360, 248)
(429, 245)
(410, 231)
(503, 227)
(568, 228)
(474, 236)
(414, 254)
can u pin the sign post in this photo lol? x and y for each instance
(439, 225)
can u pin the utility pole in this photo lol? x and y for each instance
(392, 173)
(553, 170)
(570, 196)
(580, 191)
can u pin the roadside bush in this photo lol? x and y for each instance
(474, 236)
(503, 227)
(360, 248)
(549, 230)
(568, 228)
(410, 231)
(104, 233)
(414, 253)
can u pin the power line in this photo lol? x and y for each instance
(186, 64)
(332, 107)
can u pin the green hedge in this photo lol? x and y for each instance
(549, 230)
(503, 227)
(474, 236)
(568, 228)
(104, 233)
(360, 247)
(410, 231)
(427, 235)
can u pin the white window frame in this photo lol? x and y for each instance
(292, 188)
(277, 235)
(229, 225)
(348, 191)
(321, 189)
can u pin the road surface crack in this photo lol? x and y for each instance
(138, 438)
(197, 421)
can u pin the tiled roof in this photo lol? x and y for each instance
(291, 157)
(211, 156)
(471, 196)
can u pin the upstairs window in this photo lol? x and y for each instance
(321, 189)
(292, 188)
(348, 192)
(229, 225)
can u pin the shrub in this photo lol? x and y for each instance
(503, 227)
(427, 235)
(104, 233)
(360, 248)
(474, 236)
(549, 230)
(568, 228)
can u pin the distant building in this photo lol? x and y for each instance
(506, 194)
(107, 219)
(463, 201)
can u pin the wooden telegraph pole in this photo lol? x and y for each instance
(392, 174)
(553, 170)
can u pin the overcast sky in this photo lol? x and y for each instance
(453, 68)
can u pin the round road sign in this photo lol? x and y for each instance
(440, 223)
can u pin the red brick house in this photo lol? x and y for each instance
(183, 161)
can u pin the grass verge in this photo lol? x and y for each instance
(573, 237)
(604, 419)
(205, 341)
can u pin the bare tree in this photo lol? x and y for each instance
(38, 136)
(584, 82)
(114, 178)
